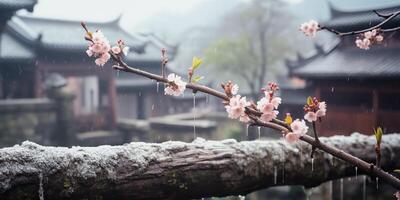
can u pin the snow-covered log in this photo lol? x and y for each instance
(177, 170)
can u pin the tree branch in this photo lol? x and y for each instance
(274, 124)
(387, 17)
(177, 170)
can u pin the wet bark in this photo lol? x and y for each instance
(177, 170)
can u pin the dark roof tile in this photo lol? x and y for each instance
(17, 4)
(351, 62)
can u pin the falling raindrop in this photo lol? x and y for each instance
(140, 94)
(259, 133)
(247, 130)
(158, 85)
(194, 115)
(207, 99)
(312, 164)
(152, 107)
(275, 175)
(41, 191)
(117, 73)
(332, 89)
(364, 188)
(356, 172)
(341, 189)
(283, 164)
(377, 182)
(242, 197)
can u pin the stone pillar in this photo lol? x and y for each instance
(64, 133)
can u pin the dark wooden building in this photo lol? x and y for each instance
(361, 88)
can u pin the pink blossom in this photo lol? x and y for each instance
(102, 60)
(244, 118)
(397, 195)
(299, 127)
(363, 43)
(116, 49)
(175, 86)
(99, 48)
(235, 89)
(309, 28)
(236, 107)
(125, 50)
(292, 137)
(322, 109)
(311, 116)
(268, 116)
(89, 52)
(276, 101)
(379, 38)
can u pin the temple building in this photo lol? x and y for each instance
(361, 87)
(33, 48)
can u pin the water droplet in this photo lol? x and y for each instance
(283, 164)
(242, 197)
(247, 130)
(140, 94)
(194, 115)
(158, 86)
(341, 189)
(207, 99)
(259, 132)
(377, 182)
(312, 164)
(332, 89)
(275, 175)
(41, 191)
(364, 188)
(356, 172)
(152, 107)
(117, 73)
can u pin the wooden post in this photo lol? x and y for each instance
(112, 95)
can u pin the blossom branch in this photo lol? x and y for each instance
(248, 112)
(274, 124)
(387, 17)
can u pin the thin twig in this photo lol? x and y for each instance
(387, 18)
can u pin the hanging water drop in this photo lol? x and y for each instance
(117, 73)
(247, 130)
(312, 164)
(377, 182)
(259, 133)
(275, 175)
(341, 189)
(41, 191)
(194, 116)
(207, 99)
(356, 172)
(364, 187)
(152, 107)
(158, 85)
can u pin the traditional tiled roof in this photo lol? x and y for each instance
(344, 62)
(13, 50)
(17, 4)
(350, 20)
(64, 35)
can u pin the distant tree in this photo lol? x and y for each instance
(254, 37)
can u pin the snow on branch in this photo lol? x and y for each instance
(178, 170)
